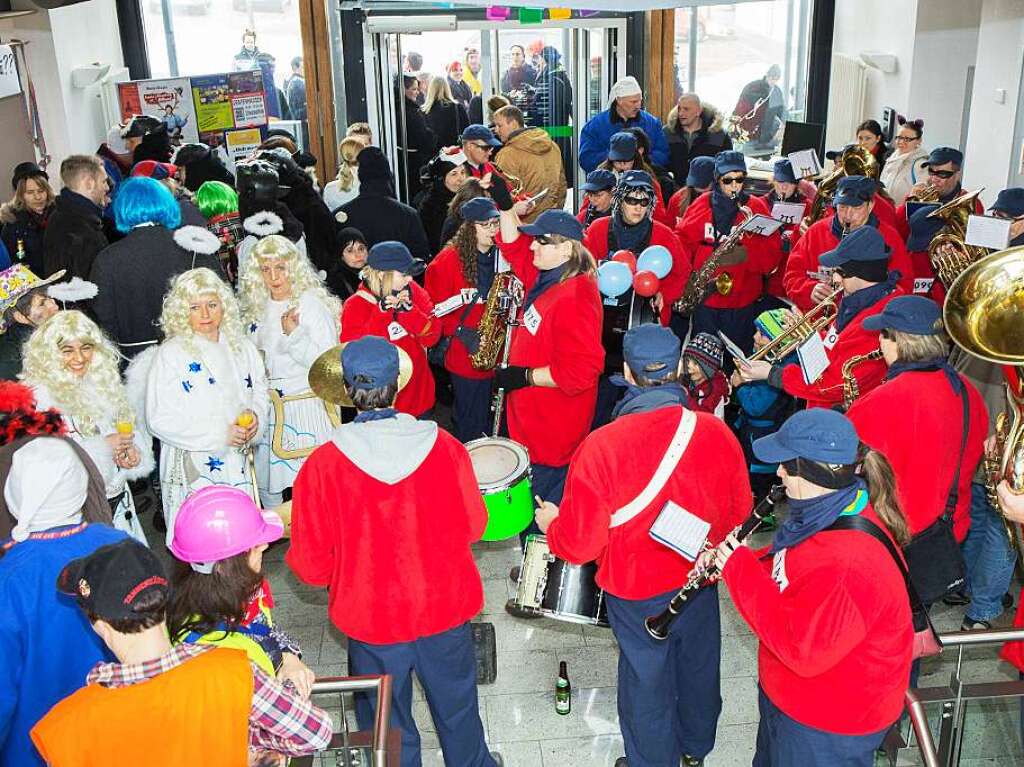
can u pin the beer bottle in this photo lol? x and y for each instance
(563, 691)
(20, 254)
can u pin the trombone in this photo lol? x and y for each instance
(816, 318)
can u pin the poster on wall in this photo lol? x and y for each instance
(10, 85)
(229, 101)
(168, 100)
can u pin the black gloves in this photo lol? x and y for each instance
(500, 193)
(512, 377)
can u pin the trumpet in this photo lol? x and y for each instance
(659, 625)
(818, 317)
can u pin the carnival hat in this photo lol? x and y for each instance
(15, 282)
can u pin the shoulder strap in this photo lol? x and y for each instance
(954, 492)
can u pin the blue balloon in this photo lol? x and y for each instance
(614, 278)
(657, 259)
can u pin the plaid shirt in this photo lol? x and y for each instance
(279, 720)
(228, 229)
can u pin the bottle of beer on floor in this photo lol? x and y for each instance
(563, 691)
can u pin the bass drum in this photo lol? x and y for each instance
(641, 312)
(552, 587)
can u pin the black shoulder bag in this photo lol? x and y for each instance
(437, 352)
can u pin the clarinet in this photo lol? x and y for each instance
(658, 625)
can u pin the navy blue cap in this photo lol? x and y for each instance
(940, 155)
(555, 222)
(910, 314)
(862, 244)
(818, 434)
(783, 171)
(855, 191)
(622, 146)
(701, 173)
(478, 132)
(479, 209)
(651, 350)
(729, 162)
(370, 362)
(599, 180)
(394, 256)
(923, 228)
(636, 179)
(1010, 201)
(835, 154)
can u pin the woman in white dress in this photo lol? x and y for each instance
(72, 366)
(206, 391)
(292, 319)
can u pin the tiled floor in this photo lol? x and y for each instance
(518, 709)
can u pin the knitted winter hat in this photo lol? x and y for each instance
(771, 323)
(707, 351)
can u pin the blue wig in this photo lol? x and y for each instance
(142, 200)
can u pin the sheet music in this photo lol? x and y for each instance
(805, 163)
(788, 212)
(813, 358)
(988, 232)
(733, 349)
(680, 530)
(759, 224)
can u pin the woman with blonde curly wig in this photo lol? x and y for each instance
(292, 320)
(72, 366)
(206, 391)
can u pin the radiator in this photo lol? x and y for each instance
(847, 95)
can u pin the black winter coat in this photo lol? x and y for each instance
(11, 342)
(432, 205)
(447, 119)
(418, 148)
(29, 228)
(74, 235)
(708, 141)
(379, 216)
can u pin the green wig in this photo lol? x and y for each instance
(215, 198)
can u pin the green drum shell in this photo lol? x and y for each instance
(509, 511)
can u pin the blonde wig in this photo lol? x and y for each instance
(252, 292)
(91, 400)
(187, 287)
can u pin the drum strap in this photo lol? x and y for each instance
(669, 462)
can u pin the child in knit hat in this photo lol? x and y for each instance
(763, 408)
(706, 383)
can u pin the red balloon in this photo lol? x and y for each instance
(626, 257)
(646, 283)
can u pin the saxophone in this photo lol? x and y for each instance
(700, 279)
(851, 389)
(503, 300)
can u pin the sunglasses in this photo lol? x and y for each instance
(644, 201)
(732, 180)
(942, 173)
(886, 334)
(479, 144)
(543, 239)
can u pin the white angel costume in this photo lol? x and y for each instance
(298, 421)
(195, 391)
(93, 441)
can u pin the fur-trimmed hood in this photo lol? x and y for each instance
(711, 117)
(8, 213)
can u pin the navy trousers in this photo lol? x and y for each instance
(784, 742)
(548, 482)
(471, 409)
(669, 691)
(445, 664)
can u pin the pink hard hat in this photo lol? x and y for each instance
(218, 522)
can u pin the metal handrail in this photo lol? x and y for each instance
(989, 636)
(352, 684)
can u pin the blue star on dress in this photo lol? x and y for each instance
(213, 463)
(187, 386)
(248, 381)
(194, 367)
(252, 327)
(212, 380)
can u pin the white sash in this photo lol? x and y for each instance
(669, 462)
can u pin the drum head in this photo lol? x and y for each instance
(497, 462)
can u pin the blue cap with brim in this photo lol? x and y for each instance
(855, 191)
(701, 172)
(600, 180)
(941, 155)
(370, 362)
(636, 179)
(909, 314)
(729, 162)
(651, 351)
(923, 228)
(478, 132)
(1010, 201)
(391, 255)
(479, 209)
(622, 146)
(555, 222)
(783, 171)
(863, 244)
(818, 434)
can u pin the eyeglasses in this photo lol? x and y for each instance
(733, 180)
(479, 145)
(942, 173)
(886, 334)
(491, 223)
(644, 201)
(901, 139)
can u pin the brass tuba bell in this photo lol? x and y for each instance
(855, 160)
(948, 251)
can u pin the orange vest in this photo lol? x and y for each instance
(196, 713)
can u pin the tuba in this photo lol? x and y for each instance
(982, 312)
(504, 297)
(948, 252)
(855, 160)
(930, 194)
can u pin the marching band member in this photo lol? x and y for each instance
(860, 263)
(206, 391)
(669, 695)
(698, 180)
(785, 188)
(923, 229)
(72, 366)
(356, 502)
(1010, 204)
(828, 606)
(732, 306)
(556, 356)
(459, 280)
(806, 282)
(292, 320)
(932, 446)
(884, 207)
(944, 175)
(624, 155)
(599, 191)
(391, 305)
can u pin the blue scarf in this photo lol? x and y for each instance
(375, 415)
(545, 279)
(855, 303)
(643, 400)
(724, 210)
(634, 237)
(485, 272)
(837, 228)
(929, 366)
(807, 516)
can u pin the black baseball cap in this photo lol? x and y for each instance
(109, 582)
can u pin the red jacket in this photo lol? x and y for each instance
(551, 422)
(903, 225)
(444, 280)
(885, 211)
(390, 576)
(790, 234)
(696, 234)
(417, 329)
(915, 421)
(596, 241)
(707, 396)
(834, 629)
(674, 202)
(852, 341)
(925, 282)
(803, 268)
(611, 468)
